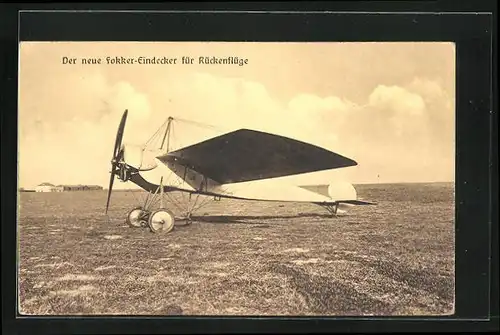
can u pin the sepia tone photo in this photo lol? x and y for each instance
(210, 178)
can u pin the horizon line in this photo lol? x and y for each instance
(360, 183)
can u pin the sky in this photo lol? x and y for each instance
(389, 106)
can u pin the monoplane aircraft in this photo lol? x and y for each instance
(225, 166)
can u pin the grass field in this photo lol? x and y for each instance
(241, 258)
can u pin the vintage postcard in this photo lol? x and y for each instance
(204, 178)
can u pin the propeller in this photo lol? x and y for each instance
(116, 156)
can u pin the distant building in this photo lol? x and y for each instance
(48, 187)
(45, 187)
(67, 188)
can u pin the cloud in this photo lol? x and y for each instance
(397, 100)
(397, 136)
(75, 144)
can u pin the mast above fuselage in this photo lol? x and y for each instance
(166, 136)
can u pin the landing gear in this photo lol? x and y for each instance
(158, 221)
(137, 217)
(161, 221)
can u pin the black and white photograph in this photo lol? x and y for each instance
(236, 178)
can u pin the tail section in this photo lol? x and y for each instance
(342, 194)
(336, 191)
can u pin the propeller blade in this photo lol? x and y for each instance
(111, 180)
(119, 135)
(116, 153)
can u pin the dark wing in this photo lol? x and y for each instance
(245, 155)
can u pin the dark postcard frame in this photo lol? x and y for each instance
(476, 135)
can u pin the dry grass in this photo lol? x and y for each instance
(241, 258)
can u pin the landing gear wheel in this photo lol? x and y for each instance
(135, 218)
(161, 221)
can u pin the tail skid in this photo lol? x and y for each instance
(333, 207)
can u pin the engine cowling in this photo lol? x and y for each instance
(342, 191)
(139, 157)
